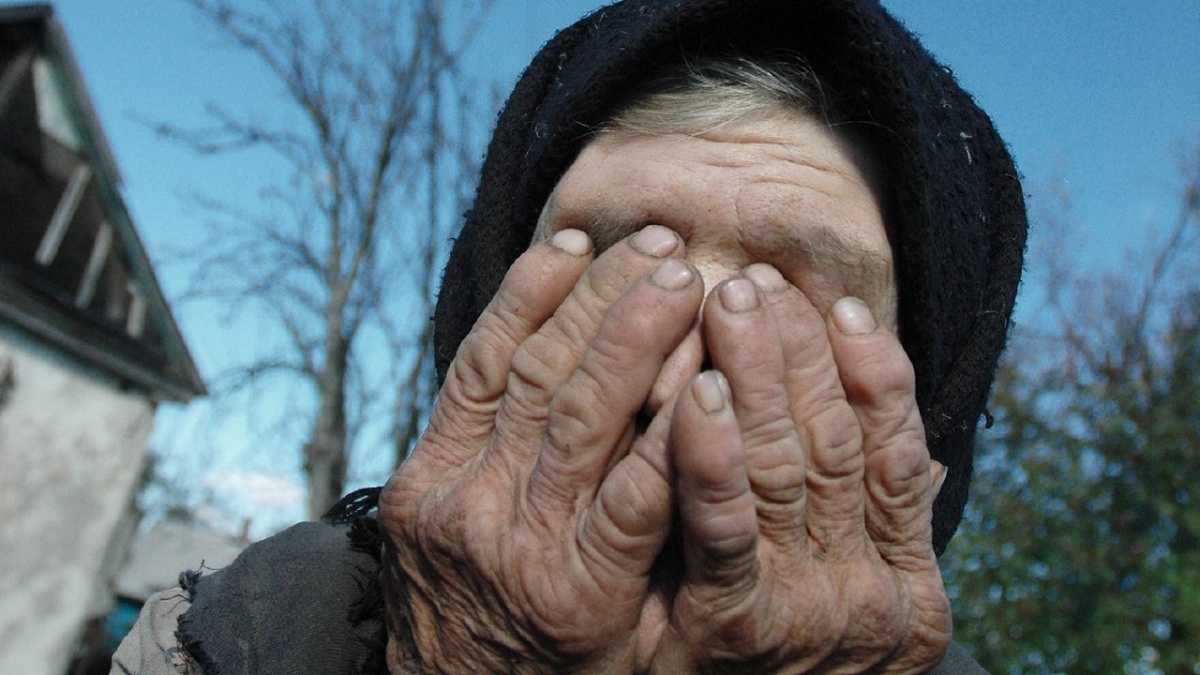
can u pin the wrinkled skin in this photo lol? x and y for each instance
(525, 530)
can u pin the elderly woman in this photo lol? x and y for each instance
(713, 345)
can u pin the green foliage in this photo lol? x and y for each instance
(1080, 551)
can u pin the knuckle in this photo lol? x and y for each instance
(732, 552)
(512, 311)
(727, 562)
(604, 365)
(774, 432)
(777, 477)
(480, 367)
(782, 517)
(616, 270)
(625, 512)
(882, 375)
(461, 526)
(898, 477)
(638, 324)
(566, 436)
(536, 283)
(399, 499)
(552, 488)
(894, 422)
(610, 540)
(539, 364)
(429, 534)
(901, 531)
(576, 320)
(577, 415)
(835, 444)
(815, 388)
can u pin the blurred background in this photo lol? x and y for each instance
(224, 223)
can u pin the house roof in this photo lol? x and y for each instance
(73, 270)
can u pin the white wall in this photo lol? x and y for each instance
(71, 449)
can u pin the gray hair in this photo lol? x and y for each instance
(700, 94)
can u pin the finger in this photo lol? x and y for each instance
(880, 385)
(900, 478)
(716, 505)
(829, 430)
(533, 288)
(745, 345)
(624, 529)
(592, 414)
(937, 475)
(544, 361)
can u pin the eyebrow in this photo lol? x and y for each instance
(821, 244)
(865, 272)
(606, 230)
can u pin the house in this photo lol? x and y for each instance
(88, 349)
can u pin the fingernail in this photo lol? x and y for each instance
(738, 295)
(711, 391)
(765, 277)
(575, 242)
(655, 240)
(852, 316)
(672, 275)
(939, 476)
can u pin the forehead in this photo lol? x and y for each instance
(782, 190)
(779, 172)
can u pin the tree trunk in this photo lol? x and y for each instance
(325, 453)
(375, 139)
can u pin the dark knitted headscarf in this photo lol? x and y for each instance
(956, 214)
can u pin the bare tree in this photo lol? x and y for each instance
(1080, 550)
(341, 257)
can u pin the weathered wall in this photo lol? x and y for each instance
(71, 449)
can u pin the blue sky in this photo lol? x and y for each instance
(1102, 93)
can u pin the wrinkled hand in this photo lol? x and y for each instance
(524, 529)
(527, 520)
(805, 495)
